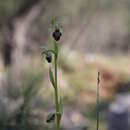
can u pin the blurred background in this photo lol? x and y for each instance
(95, 37)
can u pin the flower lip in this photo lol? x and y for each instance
(57, 34)
(49, 58)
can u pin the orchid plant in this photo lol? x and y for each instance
(49, 54)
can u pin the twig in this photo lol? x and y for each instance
(97, 100)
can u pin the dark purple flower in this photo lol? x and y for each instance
(49, 58)
(57, 34)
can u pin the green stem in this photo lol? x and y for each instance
(56, 87)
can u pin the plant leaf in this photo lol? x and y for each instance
(58, 115)
(51, 77)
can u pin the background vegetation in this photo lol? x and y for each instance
(96, 36)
